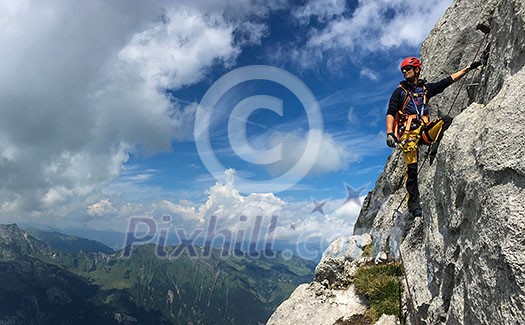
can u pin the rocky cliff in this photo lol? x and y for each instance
(334, 297)
(464, 259)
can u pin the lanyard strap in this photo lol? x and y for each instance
(419, 113)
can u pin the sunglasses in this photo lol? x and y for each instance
(407, 68)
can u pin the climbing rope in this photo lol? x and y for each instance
(396, 211)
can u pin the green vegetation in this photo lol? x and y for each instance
(209, 290)
(368, 250)
(98, 287)
(380, 284)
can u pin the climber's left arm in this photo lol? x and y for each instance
(459, 74)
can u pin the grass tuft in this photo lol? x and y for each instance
(381, 286)
(368, 250)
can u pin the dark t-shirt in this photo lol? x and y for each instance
(398, 96)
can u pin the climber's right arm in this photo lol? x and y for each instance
(389, 123)
(393, 108)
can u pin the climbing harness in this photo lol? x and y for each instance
(406, 121)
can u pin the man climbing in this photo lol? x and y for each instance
(408, 125)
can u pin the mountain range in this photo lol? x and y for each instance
(53, 278)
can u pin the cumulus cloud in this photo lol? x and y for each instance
(175, 51)
(102, 207)
(82, 90)
(251, 33)
(232, 212)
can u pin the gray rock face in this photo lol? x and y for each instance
(314, 304)
(331, 297)
(15, 242)
(465, 259)
(338, 262)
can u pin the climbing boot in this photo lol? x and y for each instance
(417, 213)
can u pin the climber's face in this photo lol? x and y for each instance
(410, 72)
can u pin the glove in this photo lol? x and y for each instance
(474, 65)
(391, 140)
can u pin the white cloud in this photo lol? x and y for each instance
(84, 87)
(338, 221)
(175, 51)
(393, 23)
(102, 207)
(251, 33)
(348, 33)
(362, 145)
(352, 116)
(226, 202)
(234, 212)
(322, 10)
(369, 73)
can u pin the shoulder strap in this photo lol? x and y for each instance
(405, 101)
(405, 119)
(425, 98)
(400, 115)
(411, 94)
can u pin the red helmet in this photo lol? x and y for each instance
(411, 61)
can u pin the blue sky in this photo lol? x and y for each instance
(99, 103)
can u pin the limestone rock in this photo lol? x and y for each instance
(387, 320)
(314, 304)
(331, 296)
(336, 265)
